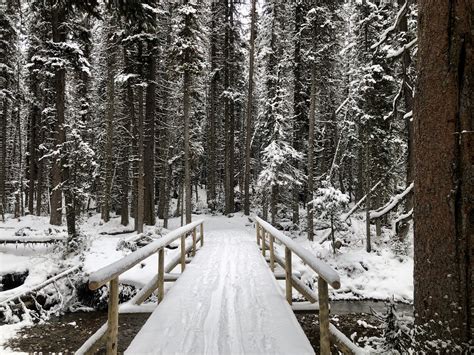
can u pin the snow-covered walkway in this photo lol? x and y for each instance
(226, 302)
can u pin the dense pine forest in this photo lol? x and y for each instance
(316, 115)
(121, 107)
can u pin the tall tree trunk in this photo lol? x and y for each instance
(33, 139)
(408, 100)
(229, 110)
(187, 137)
(110, 113)
(248, 121)
(298, 105)
(368, 190)
(58, 18)
(311, 122)
(41, 169)
(3, 155)
(444, 172)
(141, 169)
(149, 149)
(129, 118)
(213, 103)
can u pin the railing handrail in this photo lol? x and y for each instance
(102, 276)
(321, 268)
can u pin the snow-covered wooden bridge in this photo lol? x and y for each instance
(226, 300)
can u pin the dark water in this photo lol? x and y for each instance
(68, 332)
(345, 307)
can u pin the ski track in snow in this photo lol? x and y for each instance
(226, 302)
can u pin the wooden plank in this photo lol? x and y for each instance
(305, 307)
(281, 275)
(324, 341)
(161, 275)
(112, 320)
(289, 287)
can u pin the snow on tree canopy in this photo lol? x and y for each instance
(330, 200)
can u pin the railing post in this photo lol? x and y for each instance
(161, 274)
(112, 320)
(272, 253)
(183, 252)
(264, 232)
(324, 341)
(288, 273)
(202, 233)
(258, 233)
(194, 242)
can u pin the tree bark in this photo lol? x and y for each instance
(213, 97)
(444, 172)
(110, 113)
(229, 110)
(149, 149)
(187, 137)
(58, 18)
(311, 122)
(140, 178)
(129, 118)
(248, 121)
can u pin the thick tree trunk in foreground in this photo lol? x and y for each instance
(444, 171)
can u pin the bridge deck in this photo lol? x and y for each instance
(226, 302)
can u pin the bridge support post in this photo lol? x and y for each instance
(183, 252)
(193, 253)
(324, 340)
(112, 317)
(288, 272)
(258, 233)
(202, 234)
(272, 253)
(264, 246)
(161, 274)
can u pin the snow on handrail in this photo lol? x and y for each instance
(111, 271)
(322, 269)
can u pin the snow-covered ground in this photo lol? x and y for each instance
(379, 275)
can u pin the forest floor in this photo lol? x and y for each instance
(380, 275)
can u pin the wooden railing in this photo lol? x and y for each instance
(267, 236)
(110, 274)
